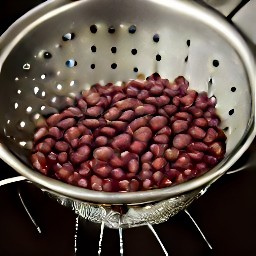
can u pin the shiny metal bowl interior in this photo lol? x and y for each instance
(191, 38)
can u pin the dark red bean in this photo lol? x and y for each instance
(85, 169)
(146, 109)
(112, 114)
(195, 111)
(121, 142)
(146, 167)
(66, 123)
(133, 166)
(117, 97)
(201, 122)
(165, 183)
(108, 185)
(170, 109)
(187, 100)
(217, 149)
(82, 183)
(179, 126)
(184, 116)
(143, 94)
(91, 123)
(139, 122)
(124, 185)
(183, 161)
(197, 146)
(120, 126)
(40, 133)
(176, 101)
(171, 154)
(44, 147)
(117, 174)
(157, 177)
(55, 132)
(62, 146)
(159, 163)
(81, 155)
(127, 115)
(132, 91)
(196, 156)
(39, 162)
(158, 149)
(96, 183)
(158, 122)
(180, 141)
(127, 157)
(104, 102)
(145, 174)
(147, 184)
(92, 98)
(151, 100)
(202, 100)
(72, 133)
(196, 132)
(82, 105)
(161, 112)
(108, 131)
(63, 157)
(103, 171)
(161, 139)
(84, 130)
(156, 90)
(147, 157)
(162, 100)
(94, 111)
(143, 134)
(171, 93)
(138, 147)
(129, 103)
(201, 167)
(211, 135)
(54, 119)
(165, 130)
(85, 140)
(74, 143)
(101, 141)
(50, 141)
(72, 112)
(103, 153)
(210, 160)
(134, 185)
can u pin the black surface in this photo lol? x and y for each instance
(226, 213)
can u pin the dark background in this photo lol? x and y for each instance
(226, 213)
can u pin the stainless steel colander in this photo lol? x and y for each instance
(62, 47)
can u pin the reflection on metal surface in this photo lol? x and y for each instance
(101, 237)
(11, 180)
(76, 233)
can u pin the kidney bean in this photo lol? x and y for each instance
(184, 116)
(158, 122)
(82, 183)
(139, 122)
(156, 90)
(52, 158)
(217, 149)
(94, 111)
(120, 126)
(74, 143)
(211, 135)
(50, 141)
(96, 183)
(39, 162)
(161, 139)
(133, 166)
(196, 132)
(85, 170)
(62, 146)
(82, 105)
(72, 133)
(146, 109)
(84, 130)
(158, 149)
(127, 116)
(183, 161)
(121, 142)
(146, 167)
(108, 131)
(170, 92)
(165, 130)
(162, 100)
(101, 141)
(200, 122)
(151, 100)
(104, 102)
(195, 111)
(85, 140)
(117, 174)
(143, 134)
(196, 156)
(136, 83)
(187, 100)
(129, 103)
(107, 185)
(161, 112)
(170, 109)
(197, 146)
(92, 98)
(159, 163)
(44, 147)
(66, 123)
(127, 156)
(40, 133)
(176, 101)
(103, 153)
(138, 147)
(103, 171)
(132, 91)
(116, 162)
(81, 155)
(117, 97)
(112, 114)
(63, 157)
(180, 126)
(54, 119)
(91, 123)
(147, 184)
(171, 154)
(182, 83)
(157, 177)
(72, 112)
(145, 174)
(147, 157)
(143, 94)
(180, 141)
(55, 132)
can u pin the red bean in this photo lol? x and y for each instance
(217, 149)
(127, 115)
(143, 94)
(202, 101)
(124, 185)
(196, 132)
(143, 134)
(157, 177)
(107, 185)
(40, 133)
(197, 146)
(138, 147)
(96, 183)
(85, 169)
(39, 162)
(92, 98)
(170, 109)
(159, 163)
(132, 91)
(179, 126)
(81, 155)
(210, 160)
(158, 149)
(117, 97)
(162, 100)
(156, 90)
(116, 161)
(82, 105)
(161, 139)
(103, 102)
(184, 116)
(101, 141)
(165, 183)
(201, 122)
(195, 111)
(94, 111)
(108, 131)
(44, 147)
(129, 103)
(103, 171)
(187, 100)
(171, 154)
(211, 135)
(55, 133)
(74, 143)
(133, 166)
(158, 122)
(66, 123)
(62, 146)
(145, 174)
(103, 153)
(147, 157)
(72, 112)
(63, 157)
(196, 156)
(120, 126)
(180, 141)
(117, 174)
(72, 133)
(146, 167)
(91, 123)
(54, 119)
(121, 142)
(183, 161)
(112, 114)
(134, 185)
(146, 109)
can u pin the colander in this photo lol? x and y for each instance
(63, 47)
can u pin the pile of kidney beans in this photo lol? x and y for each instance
(138, 136)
